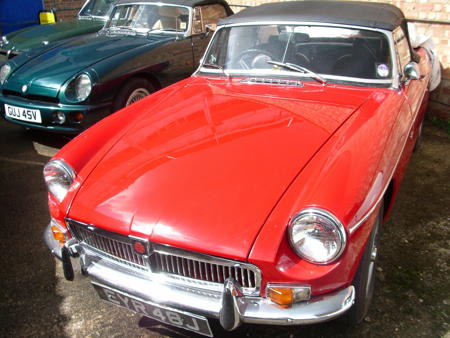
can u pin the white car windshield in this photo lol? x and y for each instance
(144, 18)
(319, 52)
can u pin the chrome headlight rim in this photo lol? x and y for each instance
(64, 169)
(314, 211)
(70, 90)
(5, 71)
(3, 40)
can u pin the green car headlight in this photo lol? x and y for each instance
(3, 41)
(4, 73)
(79, 88)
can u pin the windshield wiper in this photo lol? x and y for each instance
(216, 66)
(298, 68)
(120, 30)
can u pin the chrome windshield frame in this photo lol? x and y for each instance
(185, 33)
(99, 17)
(393, 81)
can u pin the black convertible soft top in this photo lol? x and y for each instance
(365, 14)
(189, 3)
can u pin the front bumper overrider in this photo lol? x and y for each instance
(231, 307)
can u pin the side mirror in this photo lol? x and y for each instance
(211, 27)
(412, 71)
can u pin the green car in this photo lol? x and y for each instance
(144, 46)
(90, 19)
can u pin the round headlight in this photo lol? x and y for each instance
(79, 88)
(317, 236)
(4, 73)
(3, 41)
(58, 176)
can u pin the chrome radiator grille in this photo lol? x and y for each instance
(195, 268)
(117, 247)
(180, 266)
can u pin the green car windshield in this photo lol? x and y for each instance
(144, 18)
(96, 8)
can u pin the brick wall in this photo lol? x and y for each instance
(65, 9)
(434, 17)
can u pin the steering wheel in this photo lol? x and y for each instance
(255, 58)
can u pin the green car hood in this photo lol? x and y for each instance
(45, 72)
(31, 37)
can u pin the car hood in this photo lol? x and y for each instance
(203, 169)
(45, 72)
(31, 37)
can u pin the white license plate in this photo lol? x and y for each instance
(188, 321)
(24, 114)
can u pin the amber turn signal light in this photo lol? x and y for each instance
(77, 116)
(59, 232)
(285, 296)
(58, 235)
(281, 296)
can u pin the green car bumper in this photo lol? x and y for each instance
(53, 117)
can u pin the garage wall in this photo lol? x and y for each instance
(432, 16)
(65, 9)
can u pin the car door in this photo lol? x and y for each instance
(415, 91)
(205, 18)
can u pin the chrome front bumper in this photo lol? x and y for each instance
(231, 307)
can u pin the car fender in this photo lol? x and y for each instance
(346, 177)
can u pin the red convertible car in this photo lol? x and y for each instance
(253, 191)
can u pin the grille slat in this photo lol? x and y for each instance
(195, 269)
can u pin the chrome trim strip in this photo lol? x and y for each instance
(366, 216)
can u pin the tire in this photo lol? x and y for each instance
(133, 91)
(364, 279)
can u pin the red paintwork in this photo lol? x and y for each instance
(218, 166)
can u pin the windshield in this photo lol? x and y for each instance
(143, 18)
(96, 8)
(299, 50)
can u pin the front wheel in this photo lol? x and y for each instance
(135, 90)
(365, 276)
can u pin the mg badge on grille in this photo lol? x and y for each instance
(139, 247)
